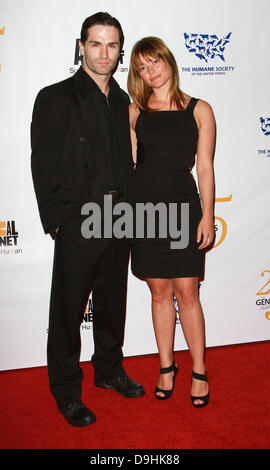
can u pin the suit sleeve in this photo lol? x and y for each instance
(48, 131)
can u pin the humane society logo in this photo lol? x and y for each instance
(265, 125)
(207, 48)
(177, 319)
(265, 131)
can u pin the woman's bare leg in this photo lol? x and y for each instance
(163, 313)
(192, 321)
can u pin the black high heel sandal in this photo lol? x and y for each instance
(205, 398)
(167, 393)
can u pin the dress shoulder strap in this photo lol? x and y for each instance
(192, 103)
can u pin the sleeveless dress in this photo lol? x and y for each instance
(166, 150)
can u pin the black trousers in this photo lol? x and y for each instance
(80, 266)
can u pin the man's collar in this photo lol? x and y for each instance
(85, 84)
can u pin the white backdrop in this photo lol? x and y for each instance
(231, 72)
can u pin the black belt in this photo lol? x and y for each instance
(116, 195)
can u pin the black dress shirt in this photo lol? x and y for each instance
(106, 110)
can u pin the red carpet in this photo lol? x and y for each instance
(237, 416)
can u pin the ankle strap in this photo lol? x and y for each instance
(165, 370)
(200, 376)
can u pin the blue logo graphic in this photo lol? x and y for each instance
(265, 125)
(177, 307)
(176, 310)
(206, 46)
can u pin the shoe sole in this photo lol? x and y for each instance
(93, 420)
(109, 387)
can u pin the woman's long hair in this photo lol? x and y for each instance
(152, 48)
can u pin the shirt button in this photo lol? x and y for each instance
(83, 140)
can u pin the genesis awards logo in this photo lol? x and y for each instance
(221, 228)
(209, 50)
(263, 294)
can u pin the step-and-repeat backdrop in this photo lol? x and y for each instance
(222, 49)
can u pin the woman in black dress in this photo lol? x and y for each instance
(168, 129)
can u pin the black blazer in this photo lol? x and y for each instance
(64, 138)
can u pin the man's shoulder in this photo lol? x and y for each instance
(58, 89)
(122, 94)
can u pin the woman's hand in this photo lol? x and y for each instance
(205, 231)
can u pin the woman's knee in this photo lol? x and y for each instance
(161, 291)
(187, 294)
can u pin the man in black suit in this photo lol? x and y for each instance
(81, 151)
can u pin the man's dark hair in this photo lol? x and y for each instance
(104, 19)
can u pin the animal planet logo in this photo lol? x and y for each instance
(265, 128)
(8, 237)
(2, 31)
(78, 59)
(87, 319)
(263, 302)
(207, 47)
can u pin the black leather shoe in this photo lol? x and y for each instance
(123, 385)
(77, 414)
